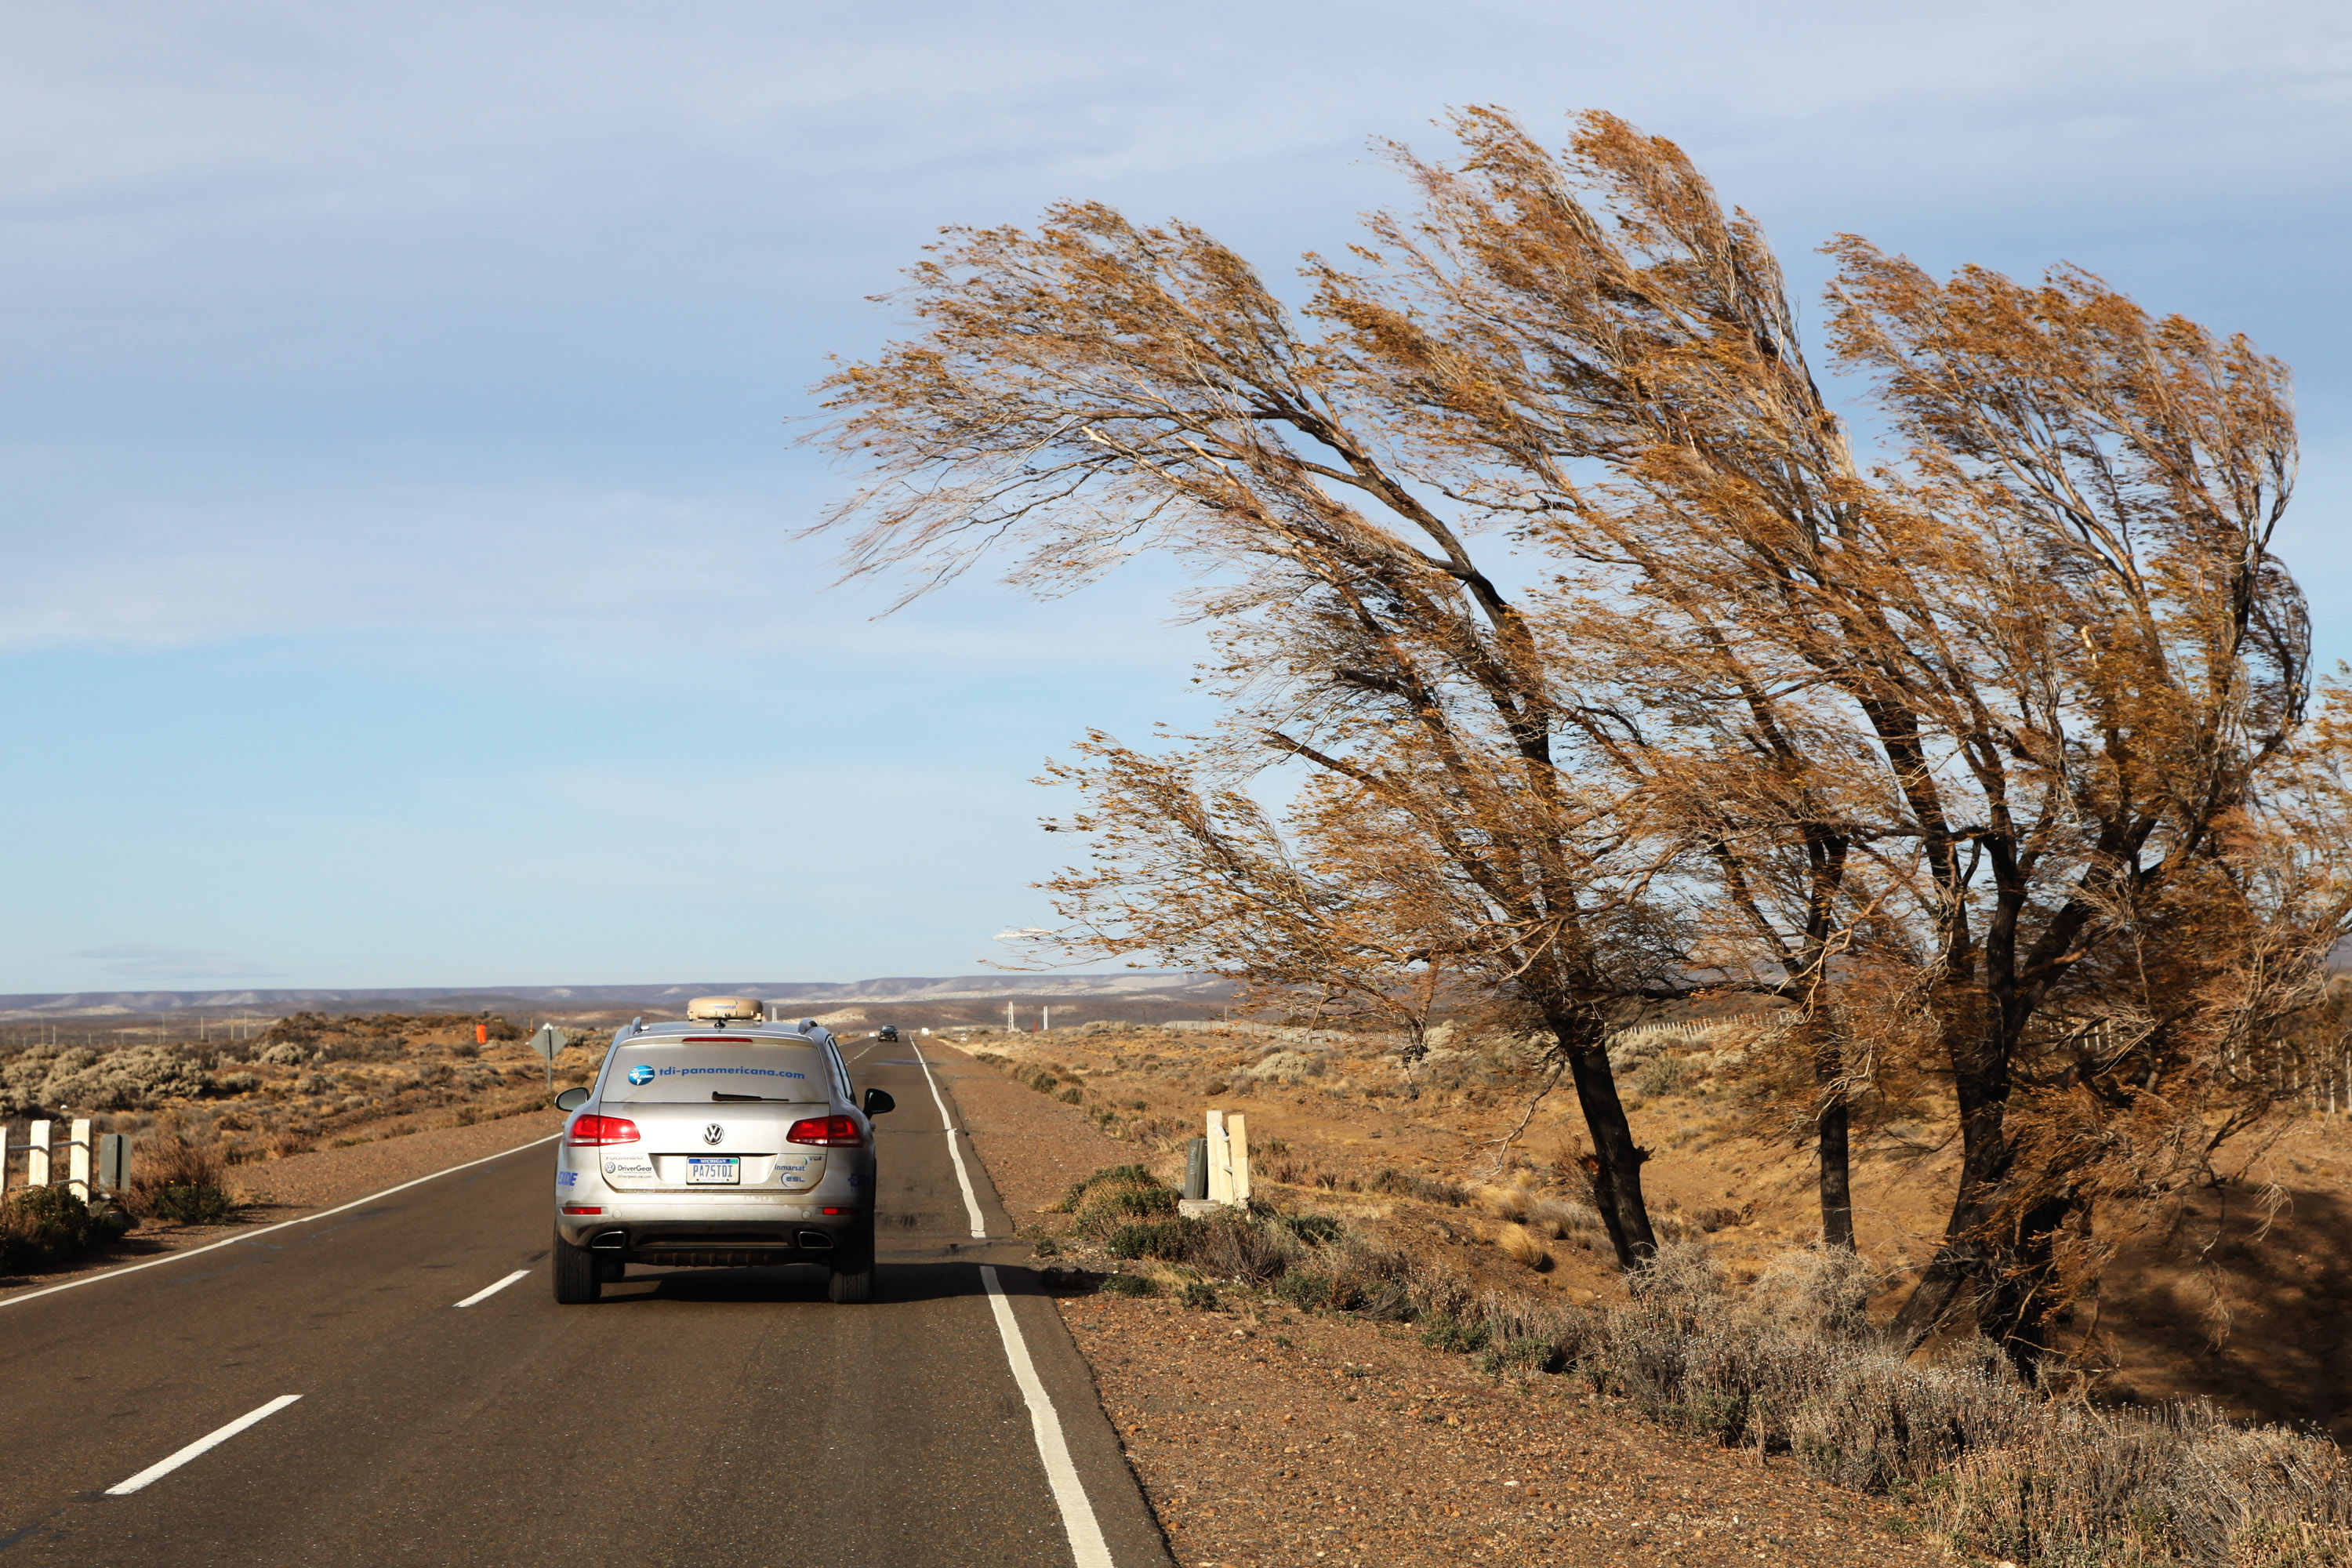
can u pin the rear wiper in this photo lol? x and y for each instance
(743, 1098)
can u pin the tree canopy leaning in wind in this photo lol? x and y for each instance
(1616, 676)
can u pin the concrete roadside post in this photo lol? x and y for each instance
(37, 1154)
(4, 1158)
(1221, 1164)
(1237, 1156)
(78, 1157)
(547, 1043)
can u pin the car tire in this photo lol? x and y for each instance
(577, 1274)
(853, 1273)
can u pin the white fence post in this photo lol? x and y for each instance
(1221, 1160)
(36, 1155)
(4, 1158)
(1237, 1153)
(77, 1158)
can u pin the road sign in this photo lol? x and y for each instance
(547, 1042)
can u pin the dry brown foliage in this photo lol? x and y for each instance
(1989, 762)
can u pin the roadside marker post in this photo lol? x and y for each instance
(113, 1161)
(77, 1158)
(37, 1154)
(4, 1158)
(1228, 1153)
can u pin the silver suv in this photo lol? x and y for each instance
(721, 1140)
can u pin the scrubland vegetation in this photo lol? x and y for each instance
(1738, 1332)
(195, 1111)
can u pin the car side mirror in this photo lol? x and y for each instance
(572, 1100)
(879, 1101)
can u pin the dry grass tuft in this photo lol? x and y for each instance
(1520, 1245)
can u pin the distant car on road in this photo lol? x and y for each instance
(723, 1141)
(886, 1032)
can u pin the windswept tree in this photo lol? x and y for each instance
(2015, 712)
(1095, 388)
(1998, 747)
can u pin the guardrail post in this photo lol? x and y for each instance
(77, 1158)
(114, 1162)
(36, 1155)
(4, 1158)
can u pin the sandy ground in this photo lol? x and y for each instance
(1261, 1436)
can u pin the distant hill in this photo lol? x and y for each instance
(1147, 987)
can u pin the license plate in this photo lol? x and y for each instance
(713, 1169)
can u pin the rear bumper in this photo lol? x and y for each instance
(734, 1239)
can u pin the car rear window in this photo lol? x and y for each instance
(673, 1074)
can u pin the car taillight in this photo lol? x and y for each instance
(601, 1129)
(826, 1132)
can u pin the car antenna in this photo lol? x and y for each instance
(637, 1025)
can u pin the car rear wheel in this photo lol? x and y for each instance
(853, 1273)
(577, 1274)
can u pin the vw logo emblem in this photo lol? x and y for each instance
(713, 1133)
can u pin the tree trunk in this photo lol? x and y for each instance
(2016, 1303)
(1833, 1126)
(1837, 1190)
(1962, 1264)
(1615, 1168)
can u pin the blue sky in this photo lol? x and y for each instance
(396, 490)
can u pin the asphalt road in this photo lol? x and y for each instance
(692, 1416)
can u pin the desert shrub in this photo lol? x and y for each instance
(1200, 1296)
(1304, 1288)
(1070, 1096)
(43, 1227)
(1129, 1285)
(1445, 1331)
(176, 1179)
(1285, 1066)
(237, 1082)
(285, 1054)
(1237, 1246)
(1314, 1229)
(1658, 1075)
(1172, 1240)
(1113, 1205)
(1133, 1175)
(138, 1078)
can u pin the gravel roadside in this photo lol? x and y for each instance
(1260, 1436)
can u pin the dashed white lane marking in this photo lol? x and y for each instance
(1069, 1493)
(963, 1177)
(486, 1292)
(265, 1230)
(162, 1468)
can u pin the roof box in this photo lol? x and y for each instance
(713, 1009)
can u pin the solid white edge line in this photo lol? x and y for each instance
(486, 1292)
(162, 1468)
(265, 1230)
(963, 1177)
(1070, 1494)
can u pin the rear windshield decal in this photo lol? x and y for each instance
(699, 1072)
